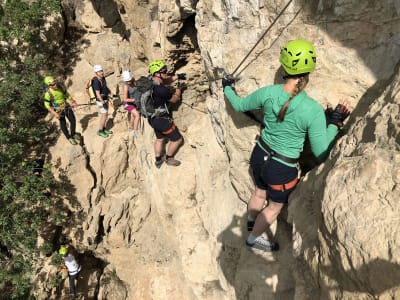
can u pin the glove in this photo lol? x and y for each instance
(181, 76)
(328, 114)
(338, 115)
(182, 86)
(227, 80)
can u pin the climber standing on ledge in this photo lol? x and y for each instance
(289, 115)
(163, 124)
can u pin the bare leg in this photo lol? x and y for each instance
(136, 118)
(158, 144)
(173, 147)
(256, 203)
(132, 120)
(103, 119)
(266, 217)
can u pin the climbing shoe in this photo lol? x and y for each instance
(108, 131)
(158, 163)
(172, 161)
(250, 225)
(76, 137)
(72, 141)
(102, 133)
(262, 244)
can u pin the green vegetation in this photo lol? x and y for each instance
(25, 203)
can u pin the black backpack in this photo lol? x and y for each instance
(144, 98)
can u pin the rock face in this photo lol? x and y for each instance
(348, 231)
(179, 232)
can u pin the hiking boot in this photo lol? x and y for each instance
(108, 131)
(250, 225)
(158, 163)
(172, 162)
(262, 244)
(102, 133)
(76, 137)
(72, 141)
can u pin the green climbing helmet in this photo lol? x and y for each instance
(155, 66)
(48, 80)
(63, 250)
(298, 57)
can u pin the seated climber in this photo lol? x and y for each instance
(60, 104)
(128, 102)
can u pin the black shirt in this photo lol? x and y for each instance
(101, 85)
(161, 95)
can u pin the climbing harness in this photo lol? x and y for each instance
(271, 153)
(276, 154)
(285, 186)
(168, 131)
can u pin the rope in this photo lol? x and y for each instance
(195, 108)
(250, 114)
(259, 40)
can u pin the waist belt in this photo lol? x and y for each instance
(75, 272)
(169, 130)
(285, 186)
(60, 107)
(273, 153)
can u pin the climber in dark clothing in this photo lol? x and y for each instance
(163, 124)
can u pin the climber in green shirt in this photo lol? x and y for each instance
(60, 103)
(289, 115)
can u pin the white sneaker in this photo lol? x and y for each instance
(262, 244)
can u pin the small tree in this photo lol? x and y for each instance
(25, 206)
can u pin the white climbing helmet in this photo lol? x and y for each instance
(97, 68)
(126, 76)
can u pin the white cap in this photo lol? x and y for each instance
(126, 76)
(97, 68)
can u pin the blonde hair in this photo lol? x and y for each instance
(301, 84)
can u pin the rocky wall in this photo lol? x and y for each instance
(179, 232)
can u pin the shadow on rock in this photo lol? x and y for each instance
(264, 275)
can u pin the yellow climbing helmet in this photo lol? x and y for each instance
(48, 80)
(155, 66)
(298, 57)
(63, 250)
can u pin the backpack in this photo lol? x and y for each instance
(144, 101)
(89, 89)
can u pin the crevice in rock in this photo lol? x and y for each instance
(100, 232)
(110, 12)
(90, 169)
(93, 265)
(186, 43)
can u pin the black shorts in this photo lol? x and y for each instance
(271, 172)
(164, 127)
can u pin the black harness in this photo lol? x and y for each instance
(276, 154)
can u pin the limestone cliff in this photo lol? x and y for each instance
(179, 232)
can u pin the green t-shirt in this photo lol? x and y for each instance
(59, 98)
(304, 115)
